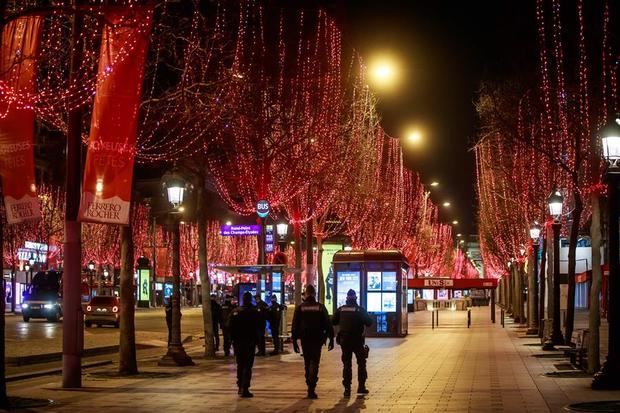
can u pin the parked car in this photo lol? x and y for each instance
(42, 298)
(102, 310)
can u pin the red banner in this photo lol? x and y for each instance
(18, 71)
(106, 189)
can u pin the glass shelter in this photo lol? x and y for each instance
(379, 278)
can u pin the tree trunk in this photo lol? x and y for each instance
(297, 234)
(205, 281)
(128, 363)
(309, 254)
(4, 400)
(594, 359)
(572, 262)
(319, 266)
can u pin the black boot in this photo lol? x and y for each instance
(246, 393)
(347, 392)
(361, 389)
(311, 393)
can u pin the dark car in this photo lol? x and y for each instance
(102, 310)
(42, 297)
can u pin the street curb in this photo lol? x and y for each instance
(34, 374)
(46, 357)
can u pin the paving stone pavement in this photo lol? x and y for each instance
(451, 368)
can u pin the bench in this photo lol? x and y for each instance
(578, 353)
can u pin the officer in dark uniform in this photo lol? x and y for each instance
(244, 329)
(311, 325)
(351, 318)
(227, 308)
(262, 308)
(216, 316)
(274, 315)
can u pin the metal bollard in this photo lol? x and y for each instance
(468, 317)
(437, 319)
(432, 320)
(502, 315)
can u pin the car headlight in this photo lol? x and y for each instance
(48, 306)
(24, 305)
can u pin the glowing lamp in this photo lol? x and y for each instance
(91, 265)
(535, 231)
(175, 188)
(556, 202)
(32, 260)
(27, 267)
(610, 140)
(282, 229)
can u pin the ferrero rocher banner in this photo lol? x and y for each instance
(18, 71)
(106, 189)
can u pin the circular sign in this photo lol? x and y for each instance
(262, 208)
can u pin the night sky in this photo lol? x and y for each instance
(447, 48)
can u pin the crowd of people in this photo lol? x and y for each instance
(243, 329)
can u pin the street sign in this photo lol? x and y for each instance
(262, 208)
(239, 230)
(268, 238)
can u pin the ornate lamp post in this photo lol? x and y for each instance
(609, 376)
(556, 203)
(282, 230)
(91, 271)
(175, 187)
(533, 281)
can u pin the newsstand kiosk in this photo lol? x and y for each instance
(379, 278)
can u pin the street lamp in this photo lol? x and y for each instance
(608, 377)
(533, 282)
(91, 269)
(282, 231)
(556, 204)
(175, 188)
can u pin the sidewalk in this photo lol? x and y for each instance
(448, 369)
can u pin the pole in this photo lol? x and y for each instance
(493, 306)
(542, 281)
(154, 261)
(72, 320)
(261, 255)
(176, 355)
(532, 292)
(608, 378)
(556, 334)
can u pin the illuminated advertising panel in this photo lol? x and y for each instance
(389, 281)
(374, 281)
(144, 284)
(347, 280)
(329, 250)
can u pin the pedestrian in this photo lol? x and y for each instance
(216, 315)
(311, 325)
(244, 330)
(227, 308)
(274, 315)
(262, 308)
(352, 320)
(168, 309)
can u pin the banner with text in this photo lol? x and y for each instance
(18, 71)
(108, 175)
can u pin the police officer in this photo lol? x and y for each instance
(351, 318)
(311, 325)
(274, 315)
(262, 308)
(244, 330)
(216, 315)
(227, 308)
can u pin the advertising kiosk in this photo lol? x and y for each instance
(379, 278)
